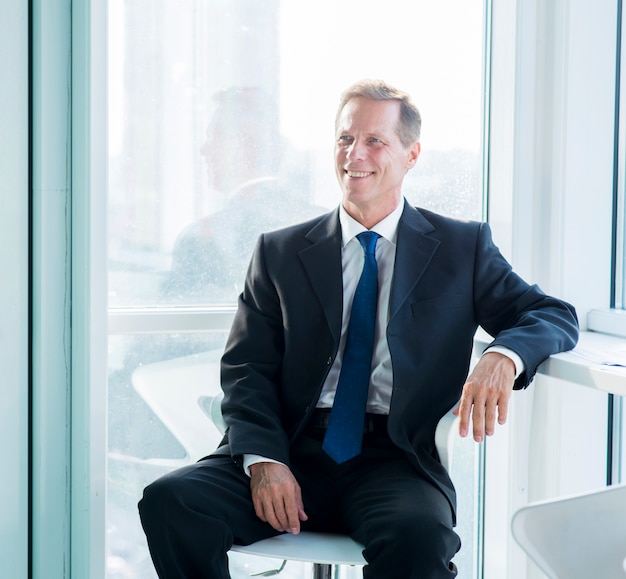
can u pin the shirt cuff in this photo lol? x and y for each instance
(250, 459)
(519, 364)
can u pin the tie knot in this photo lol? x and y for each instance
(368, 240)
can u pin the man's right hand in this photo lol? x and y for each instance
(276, 496)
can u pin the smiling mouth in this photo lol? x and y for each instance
(359, 174)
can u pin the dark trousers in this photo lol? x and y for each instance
(193, 515)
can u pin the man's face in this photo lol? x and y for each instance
(220, 151)
(236, 150)
(370, 160)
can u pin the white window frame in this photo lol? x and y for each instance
(551, 174)
(89, 289)
(14, 290)
(69, 290)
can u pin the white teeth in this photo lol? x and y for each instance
(357, 174)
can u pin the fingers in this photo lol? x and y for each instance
(481, 413)
(279, 513)
(485, 397)
(277, 497)
(503, 410)
(463, 411)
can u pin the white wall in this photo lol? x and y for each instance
(552, 131)
(14, 289)
(51, 276)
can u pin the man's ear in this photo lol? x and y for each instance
(414, 152)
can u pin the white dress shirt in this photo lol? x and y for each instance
(352, 258)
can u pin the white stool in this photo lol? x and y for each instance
(577, 537)
(324, 550)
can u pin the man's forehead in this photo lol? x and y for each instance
(387, 115)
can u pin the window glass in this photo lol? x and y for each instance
(221, 126)
(221, 122)
(619, 207)
(618, 471)
(618, 406)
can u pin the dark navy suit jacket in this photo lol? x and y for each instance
(449, 278)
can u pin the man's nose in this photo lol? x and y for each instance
(356, 150)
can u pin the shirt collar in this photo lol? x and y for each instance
(387, 228)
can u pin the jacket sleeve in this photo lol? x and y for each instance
(251, 368)
(519, 316)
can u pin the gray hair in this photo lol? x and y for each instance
(410, 123)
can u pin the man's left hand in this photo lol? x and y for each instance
(486, 394)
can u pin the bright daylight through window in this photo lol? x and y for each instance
(221, 126)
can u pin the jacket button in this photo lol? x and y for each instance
(330, 358)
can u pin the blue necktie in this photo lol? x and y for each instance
(347, 417)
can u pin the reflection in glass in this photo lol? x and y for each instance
(155, 424)
(206, 94)
(243, 153)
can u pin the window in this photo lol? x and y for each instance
(612, 322)
(220, 127)
(619, 290)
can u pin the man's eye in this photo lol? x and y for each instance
(376, 141)
(345, 139)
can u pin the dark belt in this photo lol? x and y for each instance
(373, 424)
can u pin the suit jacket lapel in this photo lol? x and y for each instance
(414, 251)
(322, 262)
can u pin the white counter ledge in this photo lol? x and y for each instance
(598, 361)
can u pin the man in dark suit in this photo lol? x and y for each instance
(438, 279)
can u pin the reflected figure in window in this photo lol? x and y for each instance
(352, 338)
(247, 163)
